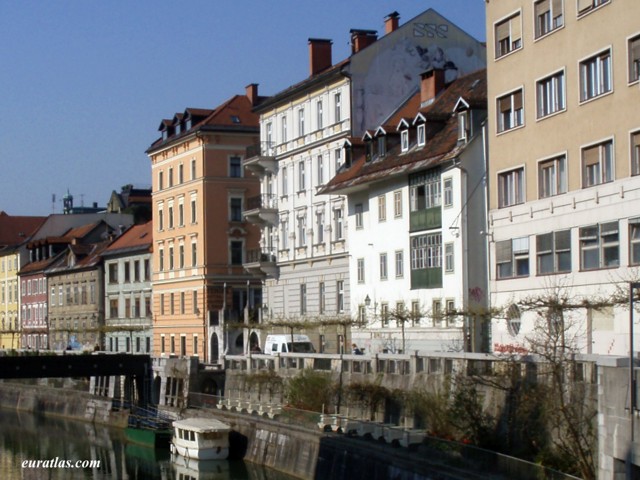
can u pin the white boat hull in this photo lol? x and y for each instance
(210, 453)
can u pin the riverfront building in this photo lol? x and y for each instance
(564, 141)
(200, 237)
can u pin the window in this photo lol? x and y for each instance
(302, 231)
(359, 216)
(508, 35)
(194, 211)
(162, 304)
(599, 246)
(382, 208)
(136, 270)
(585, 6)
(181, 256)
(160, 218)
(510, 111)
(285, 182)
(382, 146)
(337, 225)
(160, 180)
(113, 308)
(284, 233)
(303, 298)
(194, 253)
(383, 266)
(301, 176)
(320, 227)
(170, 177)
(549, 16)
(436, 311)
(634, 59)
(337, 153)
(195, 344)
(337, 102)
(236, 252)
(235, 167)
(425, 190)
(180, 173)
(193, 170)
(269, 136)
(513, 319)
(634, 241)
(448, 192)
(301, 122)
(597, 164)
(595, 76)
(551, 94)
(426, 251)
(552, 177)
(360, 264)
(170, 215)
(161, 259)
(340, 296)
(448, 257)
(319, 114)
(512, 258)
(194, 302)
(421, 135)
(235, 209)
(172, 304)
(284, 129)
(181, 214)
(399, 264)
(404, 140)
(635, 153)
(113, 273)
(171, 258)
(322, 295)
(511, 188)
(127, 272)
(320, 170)
(463, 126)
(553, 252)
(397, 204)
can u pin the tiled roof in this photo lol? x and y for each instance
(14, 230)
(136, 238)
(440, 147)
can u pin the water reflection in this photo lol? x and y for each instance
(28, 437)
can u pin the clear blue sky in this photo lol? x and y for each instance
(84, 84)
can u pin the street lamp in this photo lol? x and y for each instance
(367, 301)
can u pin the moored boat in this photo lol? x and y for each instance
(201, 438)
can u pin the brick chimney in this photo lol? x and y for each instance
(252, 93)
(431, 84)
(391, 22)
(319, 55)
(361, 39)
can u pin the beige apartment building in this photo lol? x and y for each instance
(200, 238)
(564, 165)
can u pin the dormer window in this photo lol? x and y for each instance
(404, 140)
(235, 119)
(463, 126)
(368, 150)
(188, 124)
(422, 138)
(382, 146)
(347, 155)
(177, 128)
(165, 134)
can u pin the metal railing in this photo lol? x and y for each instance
(261, 149)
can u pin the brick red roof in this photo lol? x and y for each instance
(138, 236)
(14, 230)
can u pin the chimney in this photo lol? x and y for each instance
(361, 39)
(319, 55)
(391, 22)
(431, 84)
(252, 93)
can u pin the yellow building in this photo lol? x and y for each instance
(200, 236)
(564, 160)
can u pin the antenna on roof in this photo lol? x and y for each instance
(53, 203)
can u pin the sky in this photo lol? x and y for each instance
(84, 84)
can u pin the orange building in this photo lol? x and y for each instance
(199, 234)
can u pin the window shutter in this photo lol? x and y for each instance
(584, 5)
(544, 243)
(590, 156)
(563, 240)
(542, 7)
(556, 9)
(516, 28)
(502, 31)
(504, 104)
(635, 49)
(517, 100)
(503, 251)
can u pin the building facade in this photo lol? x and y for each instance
(200, 237)
(127, 287)
(564, 142)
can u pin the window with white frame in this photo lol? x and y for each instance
(585, 6)
(171, 258)
(511, 187)
(463, 126)
(301, 176)
(359, 214)
(551, 94)
(360, 269)
(285, 182)
(595, 76)
(160, 180)
(193, 170)
(597, 164)
(181, 256)
(320, 167)
(235, 209)
(553, 252)
(422, 138)
(552, 176)
(319, 114)
(337, 155)
(399, 263)
(284, 234)
(397, 203)
(160, 216)
(512, 258)
(383, 266)
(425, 190)
(340, 296)
(513, 320)
(382, 145)
(320, 226)
(194, 209)
(634, 241)
(635, 153)
(448, 257)
(322, 294)
(161, 259)
(337, 103)
(448, 192)
(634, 58)
(283, 123)
(508, 35)
(599, 246)
(426, 251)
(510, 111)
(194, 253)
(301, 122)
(269, 136)
(170, 214)
(382, 208)
(404, 140)
(303, 298)
(549, 15)
(302, 230)
(338, 231)
(181, 212)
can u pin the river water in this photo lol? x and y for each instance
(25, 437)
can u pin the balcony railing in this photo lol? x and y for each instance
(261, 149)
(261, 255)
(263, 201)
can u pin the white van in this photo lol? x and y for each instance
(281, 343)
